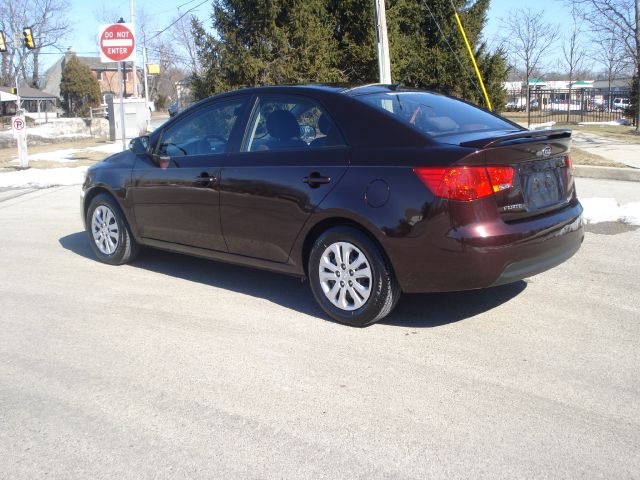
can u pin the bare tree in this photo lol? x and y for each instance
(621, 19)
(528, 38)
(573, 54)
(610, 54)
(183, 37)
(50, 24)
(13, 17)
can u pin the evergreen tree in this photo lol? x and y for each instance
(261, 42)
(427, 49)
(352, 22)
(266, 42)
(79, 89)
(632, 111)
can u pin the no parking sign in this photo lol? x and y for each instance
(19, 126)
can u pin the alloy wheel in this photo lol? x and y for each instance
(345, 276)
(105, 229)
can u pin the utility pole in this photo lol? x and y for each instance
(382, 40)
(133, 63)
(146, 85)
(121, 85)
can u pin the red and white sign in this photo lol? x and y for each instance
(117, 43)
(18, 124)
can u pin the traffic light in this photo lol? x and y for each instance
(28, 38)
(3, 42)
(14, 91)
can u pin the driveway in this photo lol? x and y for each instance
(177, 367)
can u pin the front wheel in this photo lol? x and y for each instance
(350, 277)
(109, 235)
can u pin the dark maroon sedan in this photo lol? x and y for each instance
(367, 191)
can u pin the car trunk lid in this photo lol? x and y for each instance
(543, 180)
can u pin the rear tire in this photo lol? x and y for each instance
(350, 277)
(109, 234)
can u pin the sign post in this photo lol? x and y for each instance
(117, 44)
(19, 126)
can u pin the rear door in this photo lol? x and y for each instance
(177, 199)
(292, 156)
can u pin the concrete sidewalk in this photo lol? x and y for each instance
(609, 148)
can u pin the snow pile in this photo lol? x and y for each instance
(598, 210)
(42, 178)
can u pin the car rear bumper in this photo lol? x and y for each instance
(490, 253)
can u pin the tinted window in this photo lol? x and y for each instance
(435, 115)
(287, 122)
(204, 132)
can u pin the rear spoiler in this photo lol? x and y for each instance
(524, 135)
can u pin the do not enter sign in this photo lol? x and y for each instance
(117, 42)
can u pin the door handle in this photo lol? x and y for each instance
(314, 179)
(204, 180)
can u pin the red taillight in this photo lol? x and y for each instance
(569, 164)
(465, 183)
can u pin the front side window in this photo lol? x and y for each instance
(435, 115)
(204, 132)
(288, 122)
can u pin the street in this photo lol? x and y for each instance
(177, 367)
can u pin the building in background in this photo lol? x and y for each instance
(105, 73)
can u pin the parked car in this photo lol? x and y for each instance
(620, 104)
(520, 104)
(173, 109)
(367, 192)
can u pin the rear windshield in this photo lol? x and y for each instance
(436, 115)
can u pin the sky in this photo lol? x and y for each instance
(84, 13)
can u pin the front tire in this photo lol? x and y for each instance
(108, 231)
(350, 277)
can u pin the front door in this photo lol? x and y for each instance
(176, 194)
(292, 156)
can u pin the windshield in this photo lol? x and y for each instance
(436, 115)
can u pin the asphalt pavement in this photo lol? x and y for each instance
(176, 367)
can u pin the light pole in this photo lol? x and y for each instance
(146, 85)
(121, 88)
(133, 63)
(382, 40)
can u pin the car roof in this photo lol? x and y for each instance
(348, 89)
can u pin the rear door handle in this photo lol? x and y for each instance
(204, 180)
(314, 179)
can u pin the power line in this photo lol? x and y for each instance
(178, 19)
(473, 82)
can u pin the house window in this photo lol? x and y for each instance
(99, 74)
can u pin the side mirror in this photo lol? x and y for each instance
(139, 145)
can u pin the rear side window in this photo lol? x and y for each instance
(290, 122)
(435, 115)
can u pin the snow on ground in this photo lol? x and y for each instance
(107, 148)
(598, 210)
(66, 155)
(42, 178)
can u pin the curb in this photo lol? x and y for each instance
(609, 173)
